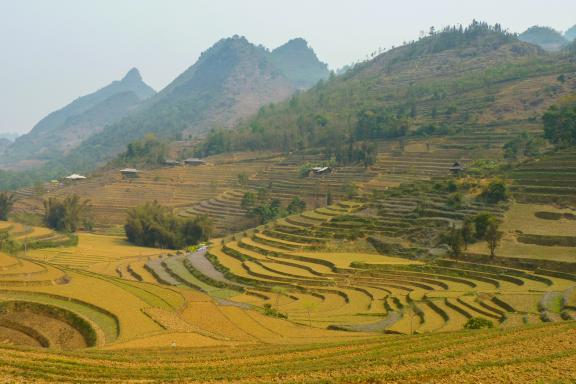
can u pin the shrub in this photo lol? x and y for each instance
(6, 202)
(273, 312)
(478, 323)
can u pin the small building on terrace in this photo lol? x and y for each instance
(194, 161)
(320, 171)
(457, 169)
(172, 163)
(129, 172)
(75, 177)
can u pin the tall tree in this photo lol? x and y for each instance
(493, 237)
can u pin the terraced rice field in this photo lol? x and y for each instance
(537, 231)
(288, 266)
(97, 251)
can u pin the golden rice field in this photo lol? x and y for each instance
(534, 354)
(94, 251)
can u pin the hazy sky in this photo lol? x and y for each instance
(52, 51)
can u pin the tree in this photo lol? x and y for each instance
(456, 241)
(468, 232)
(493, 237)
(496, 192)
(481, 223)
(560, 123)
(297, 205)
(248, 200)
(7, 201)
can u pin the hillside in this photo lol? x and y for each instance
(429, 204)
(63, 130)
(570, 34)
(545, 37)
(230, 81)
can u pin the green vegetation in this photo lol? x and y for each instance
(148, 151)
(273, 312)
(524, 146)
(68, 214)
(153, 225)
(479, 323)
(560, 123)
(495, 192)
(6, 203)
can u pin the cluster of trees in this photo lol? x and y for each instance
(149, 150)
(152, 225)
(264, 209)
(525, 145)
(7, 201)
(67, 215)
(482, 227)
(379, 124)
(560, 123)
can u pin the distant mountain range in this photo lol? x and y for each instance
(548, 38)
(230, 81)
(63, 130)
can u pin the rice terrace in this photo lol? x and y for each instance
(266, 218)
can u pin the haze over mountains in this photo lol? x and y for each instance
(231, 80)
(548, 38)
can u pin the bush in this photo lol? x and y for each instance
(273, 312)
(478, 323)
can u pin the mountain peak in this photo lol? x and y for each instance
(297, 42)
(133, 75)
(299, 63)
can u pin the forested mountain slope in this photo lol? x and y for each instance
(452, 81)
